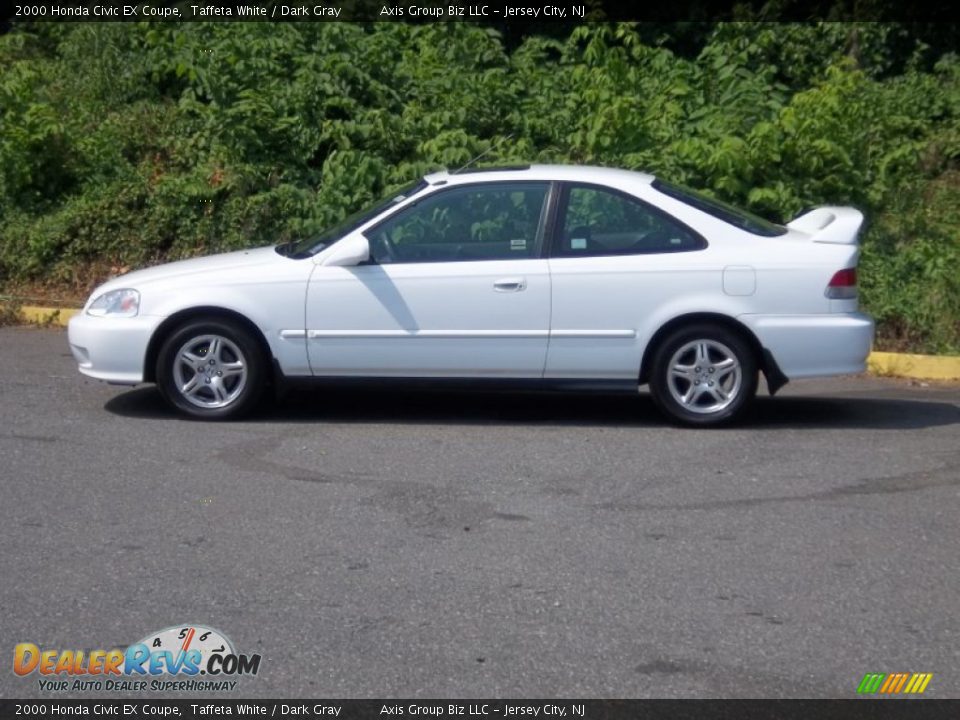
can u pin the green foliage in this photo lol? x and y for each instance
(127, 144)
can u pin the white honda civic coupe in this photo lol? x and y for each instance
(543, 276)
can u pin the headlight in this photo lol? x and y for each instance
(117, 303)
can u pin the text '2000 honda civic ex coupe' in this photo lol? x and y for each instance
(548, 276)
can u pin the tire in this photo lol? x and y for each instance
(703, 375)
(224, 386)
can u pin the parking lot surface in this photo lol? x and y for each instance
(403, 544)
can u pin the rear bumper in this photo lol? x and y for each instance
(815, 345)
(111, 349)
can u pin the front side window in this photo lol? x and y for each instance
(312, 245)
(478, 222)
(598, 222)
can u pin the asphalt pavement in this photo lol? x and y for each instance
(404, 544)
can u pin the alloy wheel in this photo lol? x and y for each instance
(705, 376)
(210, 371)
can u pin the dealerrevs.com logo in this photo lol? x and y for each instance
(185, 658)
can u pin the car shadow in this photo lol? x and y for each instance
(554, 409)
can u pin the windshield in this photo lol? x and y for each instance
(721, 210)
(314, 244)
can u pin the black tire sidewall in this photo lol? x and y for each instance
(660, 370)
(252, 353)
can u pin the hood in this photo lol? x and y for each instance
(195, 266)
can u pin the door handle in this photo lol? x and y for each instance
(510, 285)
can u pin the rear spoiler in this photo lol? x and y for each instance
(829, 224)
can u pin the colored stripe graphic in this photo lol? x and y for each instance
(894, 683)
(927, 677)
(902, 680)
(871, 683)
(889, 683)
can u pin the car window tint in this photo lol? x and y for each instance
(723, 211)
(312, 245)
(600, 222)
(480, 222)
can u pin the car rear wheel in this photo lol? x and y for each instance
(211, 369)
(703, 375)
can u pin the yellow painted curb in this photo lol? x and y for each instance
(47, 315)
(922, 367)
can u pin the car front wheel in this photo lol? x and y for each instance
(703, 375)
(211, 369)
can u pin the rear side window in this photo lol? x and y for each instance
(598, 222)
(721, 210)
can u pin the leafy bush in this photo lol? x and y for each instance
(128, 144)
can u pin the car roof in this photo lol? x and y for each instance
(580, 173)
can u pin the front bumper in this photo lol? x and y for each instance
(111, 349)
(815, 345)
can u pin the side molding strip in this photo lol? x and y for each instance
(461, 334)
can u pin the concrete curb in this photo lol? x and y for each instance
(37, 315)
(919, 367)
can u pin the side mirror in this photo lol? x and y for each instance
(350, 251)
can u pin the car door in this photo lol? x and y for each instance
(615, 261)
(456, 287)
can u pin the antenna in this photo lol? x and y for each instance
(485, 152)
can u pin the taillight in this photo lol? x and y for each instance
(843, 285)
